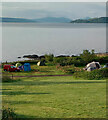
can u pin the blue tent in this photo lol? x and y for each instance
(27, 67)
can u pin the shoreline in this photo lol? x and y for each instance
(63, 55)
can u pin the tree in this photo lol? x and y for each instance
(88, 56)
(49, 57)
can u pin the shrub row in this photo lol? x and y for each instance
(81, 60)
(93, 75)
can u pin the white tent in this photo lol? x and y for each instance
(93, 65)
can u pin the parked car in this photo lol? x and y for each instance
(10, 68)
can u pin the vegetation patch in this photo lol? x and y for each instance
(9, 79)
(69, 69)
(95, 74)
(8, 114)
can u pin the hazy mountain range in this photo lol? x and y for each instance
(55, 20)
(6, 19)
(46, 19)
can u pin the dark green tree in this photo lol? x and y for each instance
(49, 57)
(88, 56)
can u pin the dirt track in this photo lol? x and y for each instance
(41, 76)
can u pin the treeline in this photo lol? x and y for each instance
(81, 60)
(91, 20)
(62, 60)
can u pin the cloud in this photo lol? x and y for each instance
(39, 10)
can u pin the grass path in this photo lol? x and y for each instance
(43, 76)
(56, 97)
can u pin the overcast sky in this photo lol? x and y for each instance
(70, 10)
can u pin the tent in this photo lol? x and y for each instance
(92, 66)
(18, 64)
(27, 67)
(105, 66)
(41, 63)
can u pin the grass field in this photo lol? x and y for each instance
(56, 97)
(38, 70)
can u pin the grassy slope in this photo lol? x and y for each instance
(38, 70)
(56, 97)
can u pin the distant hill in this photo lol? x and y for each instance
(86, 18)
(21, 20)
(54, 20)
(42, 20)
(91, 20)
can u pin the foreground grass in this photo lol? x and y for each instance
(56, 97)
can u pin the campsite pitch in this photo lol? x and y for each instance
(56, 97)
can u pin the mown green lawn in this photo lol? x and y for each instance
(56, 97)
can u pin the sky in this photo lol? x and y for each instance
(53, 0)
(71, 10)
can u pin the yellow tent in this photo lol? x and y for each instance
(18, 64)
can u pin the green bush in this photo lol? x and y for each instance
(88, 56)
(69, 69)
(65, 61)
(49, 57)
(8, 114)
(77, 61)
(93, 75)
(103, 59)
(6, 79)
(60, 60)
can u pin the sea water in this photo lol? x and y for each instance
(20, 39)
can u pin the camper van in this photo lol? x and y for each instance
(10, 68)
